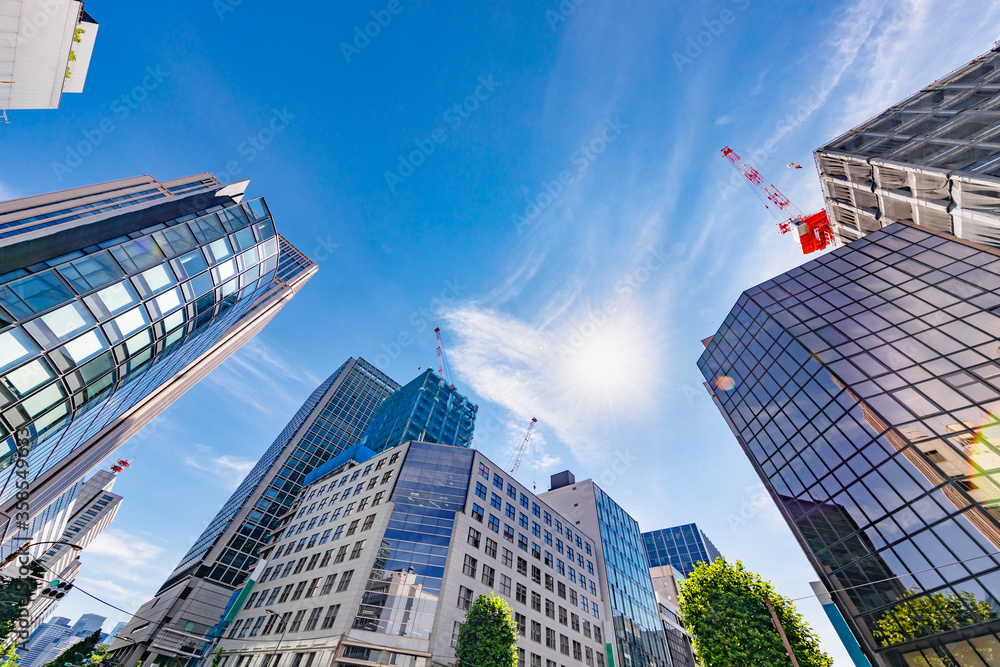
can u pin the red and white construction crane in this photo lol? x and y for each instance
(813, 231)
(516, 463)
(441, 362)
(121, 465)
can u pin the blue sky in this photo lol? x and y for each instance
(543, 181)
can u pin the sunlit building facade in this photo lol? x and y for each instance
(406, 540)
(192, 600)
(114, 300)
(864, 386)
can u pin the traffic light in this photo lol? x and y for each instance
(56, 589)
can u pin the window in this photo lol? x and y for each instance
(572, 597)
(299, 590)
(253, 598)
(369, 522)
(484, 470)
(583, 603)
(363, 504)
(511, 512)
(594, 610)
(455, 631)
(353, 528)
(560, 566)
(536, 601)
(522, 566)
(385, 477)
(586, 629)
(550, 638)
(285, 593)
(488, 575)
(380, 464)
(312, 562)
(477, 512)
(481, 490)
(377, 500)
(577, 651)
(345, 581)
(524, 501)
(511, 491)
(469, 567)
(371, 483)
(313, 585)
(274, 596)
(563, 616)
(494, 524)
(301, 564)
(464, 598)
(564, 644)
(271, 618)
(491, 548)
(559, 544)
(300, 545)
(326, 536)
(572, 575)
(519, 620)
(341, 555)
(328, 585)
(508, 533)
(523, 521)
(331, 616)
(597, 632)
(590, 656)
(504, 585)
(547, 518)
(393, 458)
(356, 551)
(474, 537)
(297, 621)
(496, 501)
(508, 557)
(522, 542)
(536, 636)
(522, 594)
(520, 657)
(548, 538)
(326, 558)
(536, 574)
(561, 589)
(536, 551)
(550, 582)
(338, 533)
(574, 622)
(498, 481)
(313, 618)
(548, 558)
(536, 510)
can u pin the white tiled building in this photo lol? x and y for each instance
(385, 553)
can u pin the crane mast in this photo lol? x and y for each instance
(524, 447)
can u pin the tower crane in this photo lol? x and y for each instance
(121, 465)
(516, 462)
(813, 231)
(442, 364)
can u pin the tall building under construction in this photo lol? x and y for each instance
(932, 160)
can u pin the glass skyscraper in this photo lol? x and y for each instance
(427, 409)
(683, 547)
(864, 386)
(638, 635)
(193, 598)
(114, 300)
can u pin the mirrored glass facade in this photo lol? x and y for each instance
(427, 409)
(865, 388)
(431, 488)
(683, 547)
(635, 613)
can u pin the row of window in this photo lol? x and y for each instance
(264, 625)
(295, 567)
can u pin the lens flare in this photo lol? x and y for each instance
(725, 383)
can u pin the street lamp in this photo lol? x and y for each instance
(284, 627)
(23, 550)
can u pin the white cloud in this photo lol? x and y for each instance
(257, 374)
(231, 469)
(125, 552)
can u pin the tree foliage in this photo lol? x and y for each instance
(12, 593)
(930, 614)
(724, 607)
(10, 658)
(78, 652)
(217, 658)
(488, 638)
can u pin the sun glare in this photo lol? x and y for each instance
(611, 368)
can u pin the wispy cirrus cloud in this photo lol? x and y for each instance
(259, 376)
(230, 469)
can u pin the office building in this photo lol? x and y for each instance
(385, 552)
(44, 641)
(115, 631)
(427, 409)
(193, 598)
(863, 386)
(665, 585)
(638, 637)
(47, 50)
(932, 160)
(682, 547)
(114, 300)
(94, 508)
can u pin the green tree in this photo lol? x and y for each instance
(12, 593)
(10, 658)
(215, 660)
(78, 652)
(488, 638)
(724, 606)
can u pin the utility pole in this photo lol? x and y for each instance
(781, 631)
